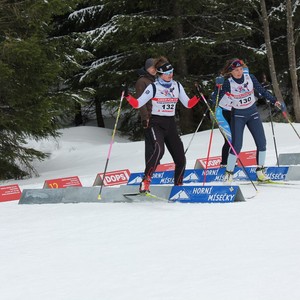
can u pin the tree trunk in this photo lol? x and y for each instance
(270, 56)
(185, 115)
(100, 121)
(292, 60)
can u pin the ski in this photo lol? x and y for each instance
(146, 195)
(275, 182)
(270, 182)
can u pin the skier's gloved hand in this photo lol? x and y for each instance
(280, 105)
(124, 89)
(219, 81)
(193, 101)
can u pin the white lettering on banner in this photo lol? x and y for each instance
(220, 197)
(158, 175)
(167, 180)
(219, 178)
(202, 190)
(210, 172)
(115, 178)
(214, 162)
(279, 176)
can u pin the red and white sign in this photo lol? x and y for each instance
(10, 192)
(112, 178)
(165, 167)
(62, 182)
(213, 162)
(248, 158)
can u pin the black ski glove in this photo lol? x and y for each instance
(125, 89)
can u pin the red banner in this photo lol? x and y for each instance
(213, 162)
(62, 182)
(10, 192)
(248, 158)
(165, 167)
(113, 178)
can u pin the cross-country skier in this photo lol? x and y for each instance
(223, 115)
(239, 88)
(164, 95)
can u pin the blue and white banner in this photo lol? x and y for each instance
(209, 175)
(206, 194)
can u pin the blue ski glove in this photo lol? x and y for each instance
(280, 105)
(219, 80)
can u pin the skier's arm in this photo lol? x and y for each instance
(185, 100)
(143, 99)
(261, 90)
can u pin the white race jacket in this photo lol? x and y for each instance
(164, 99)
(241, 95)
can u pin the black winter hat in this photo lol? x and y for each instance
(165, 68)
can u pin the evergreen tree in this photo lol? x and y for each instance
(115, 38)
(29, 67)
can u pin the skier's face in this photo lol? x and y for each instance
(237, 72)
(167, 76)
(152, 70)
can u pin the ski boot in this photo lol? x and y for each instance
(228, 177)
(145, 185)
(261, 175)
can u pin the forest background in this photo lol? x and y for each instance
(62, 63)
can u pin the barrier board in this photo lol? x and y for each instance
(289, 159)
(10, 192)
(62, 182)
(248, 158)
(112, 178)
(216, 174)
(206, 194)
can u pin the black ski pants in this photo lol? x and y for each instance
(226, 146)
(164, 132)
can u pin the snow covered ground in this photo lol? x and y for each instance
(150, 251)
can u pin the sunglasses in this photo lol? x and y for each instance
(168, 72)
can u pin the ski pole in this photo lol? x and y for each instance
(224, 135)
(274, 140)
(211, 134)
(110, 146)
(289, 121)
(204, 115)
(208, 151)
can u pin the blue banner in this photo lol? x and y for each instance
(210, 175)
(206, 194)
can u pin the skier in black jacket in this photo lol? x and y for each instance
(164, 95)
(146, 77)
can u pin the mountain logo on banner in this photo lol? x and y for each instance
(181, 195)
(192, 177)
(240, 175)
(135, 180)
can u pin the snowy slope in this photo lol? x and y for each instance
(151, 251)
